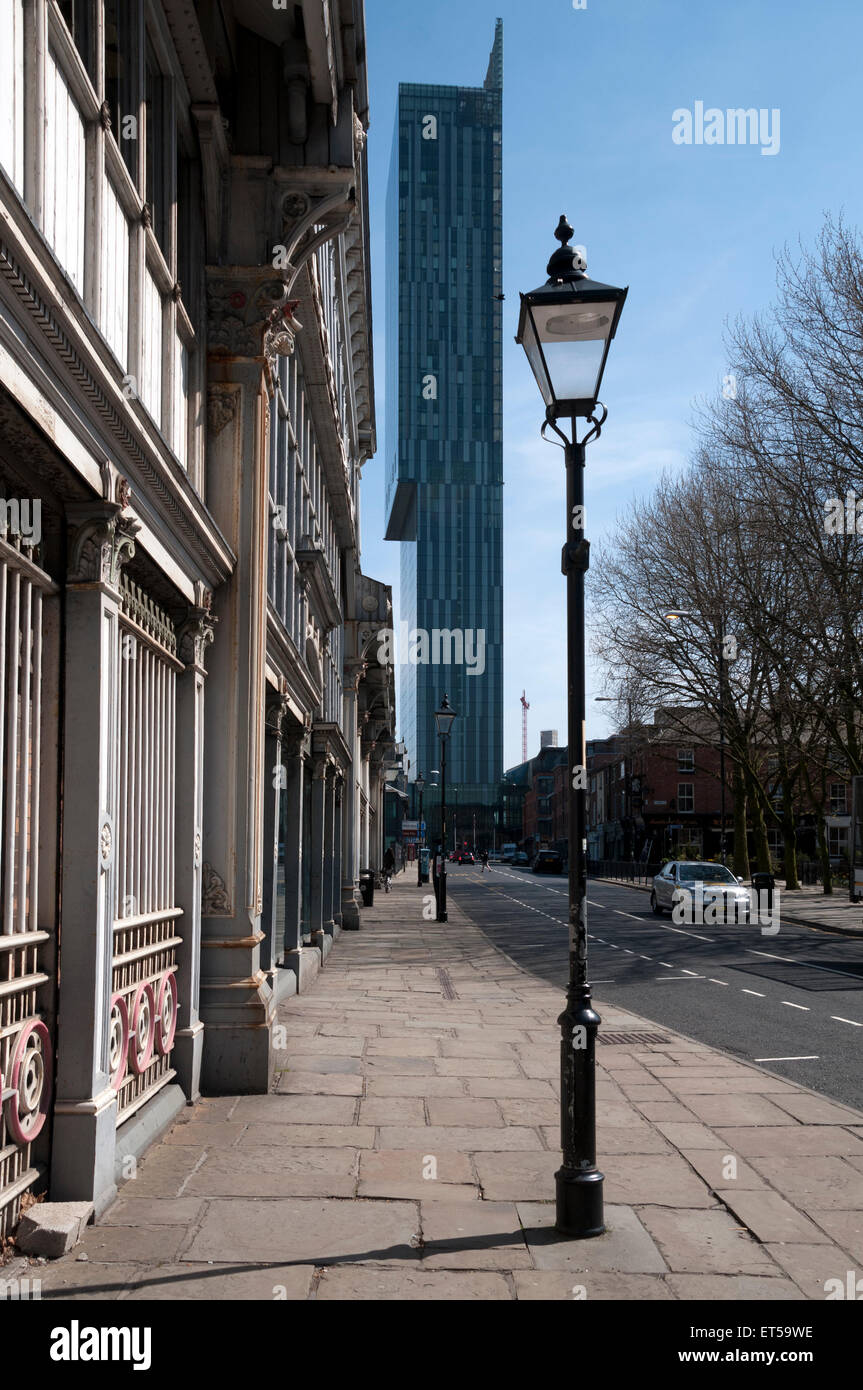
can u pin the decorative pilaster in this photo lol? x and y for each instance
(327, 900)
(320, 775)
(294, 749)
(338, 832)
(101, 541)
(249, 318)
(275, 769)
(195, 635)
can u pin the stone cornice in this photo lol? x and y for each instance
(166, 487)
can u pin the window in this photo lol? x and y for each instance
(685, 760)
(122, 46)
(65, 149)
(686, 798)
(160, 153)
(838, 799)
(151, 348)
(12, 86)
(838, 840)
(115, 274)
(78, 15)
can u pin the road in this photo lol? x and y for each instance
(791, 1002)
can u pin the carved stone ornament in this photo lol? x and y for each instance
(215, 900)
(102, 543)
(199, 848)
(277, 713)
(295, 207)
(242, 313)
(106, 843)
(105, 116)
(281, 336)
(223, 402)
(197, 633)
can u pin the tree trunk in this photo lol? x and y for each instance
(789, 837)
(824, 855)
(741, 835)
(762, 847)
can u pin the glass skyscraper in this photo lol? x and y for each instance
(445, 422)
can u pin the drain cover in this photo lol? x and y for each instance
(633, 1039)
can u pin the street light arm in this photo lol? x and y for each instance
(597, 420)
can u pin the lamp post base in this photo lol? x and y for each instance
(580, 1210)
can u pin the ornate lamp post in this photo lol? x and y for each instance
(566, 329)
(445, 717)
(420, 786)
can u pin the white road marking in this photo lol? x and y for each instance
(808, 965)
(754, 993)
(630, 915)
(837, 1019)
(803, 1011)
(679, 979)
(693, 974)
(724, 983)
(786, 1059)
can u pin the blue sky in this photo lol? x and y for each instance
(589, 97)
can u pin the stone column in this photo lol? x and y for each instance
(85, 1109)
(194, 637)
(328, 904)
(350, 833)
(338, 871)
(320, 767)
(275, 770)
(294, 759)
(246, 318)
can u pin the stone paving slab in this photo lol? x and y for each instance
(410, 1146)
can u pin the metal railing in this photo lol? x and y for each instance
(632, 871)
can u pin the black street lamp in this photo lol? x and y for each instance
(420, 786)
(566, 329)
(445, 717)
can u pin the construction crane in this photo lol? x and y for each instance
(524, 708)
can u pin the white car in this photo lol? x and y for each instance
(716, 883)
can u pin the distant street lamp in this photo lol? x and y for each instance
(566, 329)
(445, 717)
(676, 617)
(420, 786)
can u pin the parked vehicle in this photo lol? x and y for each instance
(520, 859)
(466, 857)
(508, 853)
(548, 861)
(718, 884)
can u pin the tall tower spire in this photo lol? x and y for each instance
(494, 77)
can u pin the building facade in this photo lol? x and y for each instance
(194, 721)
(445, 422)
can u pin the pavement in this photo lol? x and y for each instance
(409, 1147)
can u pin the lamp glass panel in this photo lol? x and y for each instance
(574, 339)
(534, 357)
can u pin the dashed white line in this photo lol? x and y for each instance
(803, 1011)
(786, 1059)
(724, 983)
(754, 993)
(837, 1019)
